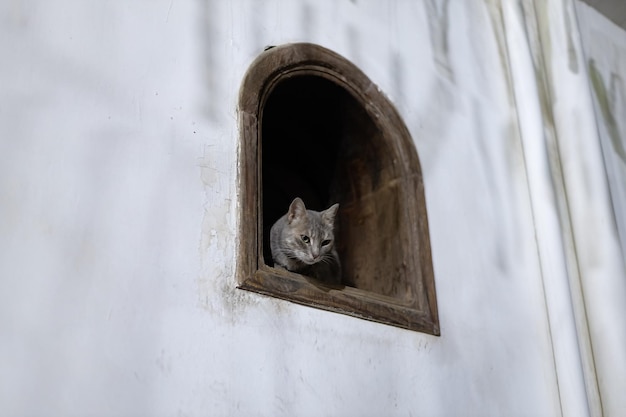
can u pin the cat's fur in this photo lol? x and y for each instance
(303, 241)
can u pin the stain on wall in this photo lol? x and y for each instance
(438, 26)
(606, 99)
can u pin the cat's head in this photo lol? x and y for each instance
(310, 234)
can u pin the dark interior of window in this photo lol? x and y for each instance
(319, 143)
(302, 131)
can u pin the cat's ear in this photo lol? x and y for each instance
(330, 213)
(297, 210)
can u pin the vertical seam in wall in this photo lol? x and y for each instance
(577, 296)
(532, 208)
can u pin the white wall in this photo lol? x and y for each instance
(118, 210)
(603, 266)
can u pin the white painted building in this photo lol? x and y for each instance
(119, 212)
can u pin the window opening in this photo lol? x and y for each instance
(314, 126)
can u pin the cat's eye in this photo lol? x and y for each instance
(305, 238)
(325, 242)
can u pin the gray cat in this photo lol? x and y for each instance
(303, 241)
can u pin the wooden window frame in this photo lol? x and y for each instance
(253, 274)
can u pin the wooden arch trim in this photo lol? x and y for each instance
(398, 290)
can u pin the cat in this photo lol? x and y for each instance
(303, 241)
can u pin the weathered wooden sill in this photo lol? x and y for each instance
(339, 298)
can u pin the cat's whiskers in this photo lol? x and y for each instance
(327, 258)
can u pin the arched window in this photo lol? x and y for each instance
(312, 125)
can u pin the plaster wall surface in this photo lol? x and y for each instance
(604, 47)
(119, 208)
